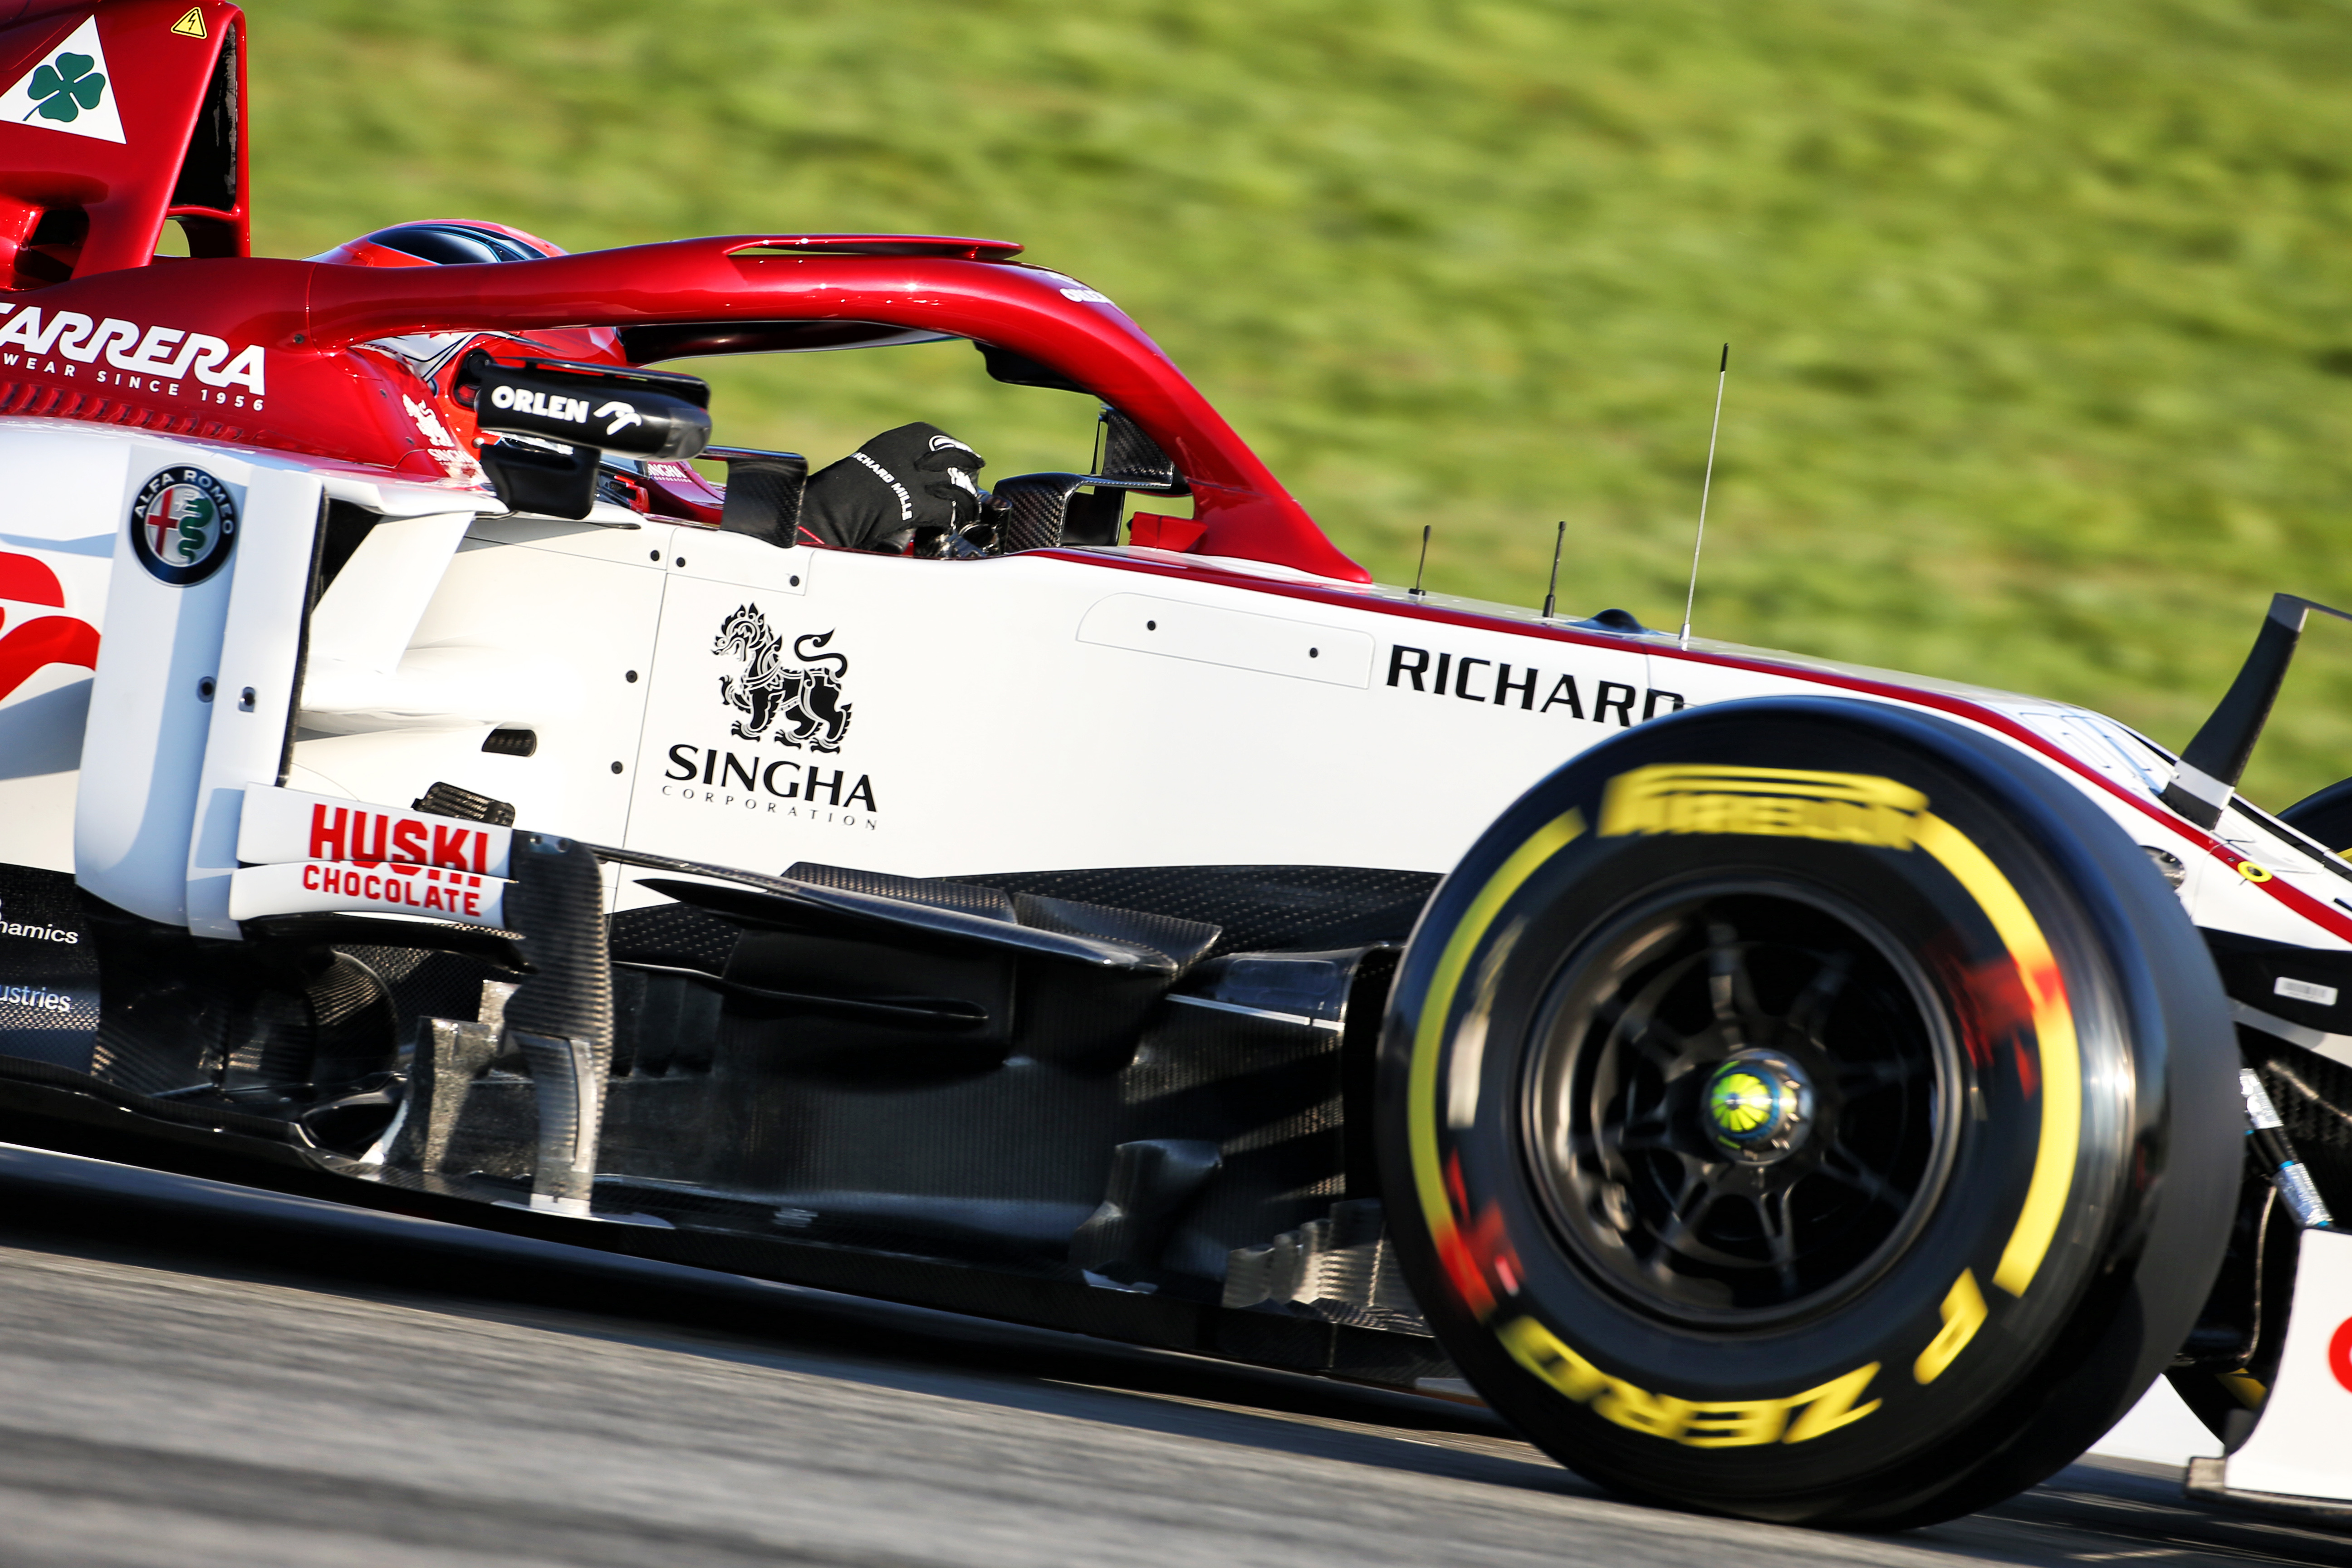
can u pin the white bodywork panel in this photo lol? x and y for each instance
(245, 736)
(928, 718)
(532, 625)
(59, 505)
(141, 803)
(368, 616)
(155, 710)
(1036, 712)
(922, 717)
(2302, 1447)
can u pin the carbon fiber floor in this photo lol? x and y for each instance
(195, 1374)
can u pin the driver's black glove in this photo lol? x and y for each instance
(917, 476)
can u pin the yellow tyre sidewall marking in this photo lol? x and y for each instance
(2059, 1060)
(1964, 1313)
(1694, 1423)
(1428, 1040)
(1866, 808)
(2058, 1053)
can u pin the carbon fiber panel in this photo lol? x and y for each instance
(354, 1026)
(62, 1110)
(1131, 455)
(428, 985)
(1184, 941)
(1262, 908)
(168, 1012)
(2314, 1096)
(964, 897)
(48, 970)
(763, 493)
(675, 935)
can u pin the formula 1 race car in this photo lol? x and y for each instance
(1784, 1090)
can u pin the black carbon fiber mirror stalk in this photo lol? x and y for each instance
(763, 493)
(2215, 758)
(557, 415)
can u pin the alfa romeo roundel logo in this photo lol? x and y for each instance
(183, 525)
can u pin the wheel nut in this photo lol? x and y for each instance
(1758, 1107)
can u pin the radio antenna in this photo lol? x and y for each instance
(1551, 589)
(1722, 372)
(1417, 570)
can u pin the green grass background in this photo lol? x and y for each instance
(2041, 366)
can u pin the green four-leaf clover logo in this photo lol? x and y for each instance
(66, 87)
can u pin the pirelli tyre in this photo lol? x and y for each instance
(1811, 1110)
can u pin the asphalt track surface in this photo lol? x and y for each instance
(193, 1374)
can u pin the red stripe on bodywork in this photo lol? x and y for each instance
(52, 639)
(2336, 923)
(29, 580)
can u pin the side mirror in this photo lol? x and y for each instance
(1045, 510)
(566, 413)
(763, 493)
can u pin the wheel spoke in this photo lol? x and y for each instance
(1652, 1118)
(1645, 1143)
(1779, 1229)
(1729, 989)
(1696, 1210)
(1638, 1027)
(1857, 1079)
(1638, 1127)
(1820, 993)
(1663, 1048)
(1653, 1114)
(1842, 1165)
(1637, 1131)
(1680, 1227)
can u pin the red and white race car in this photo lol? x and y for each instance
(1796, 1092)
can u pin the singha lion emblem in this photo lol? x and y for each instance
(802, 704)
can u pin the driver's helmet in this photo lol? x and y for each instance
(440, 242)
(447, 431)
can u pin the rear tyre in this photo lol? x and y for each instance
(1809, 1111)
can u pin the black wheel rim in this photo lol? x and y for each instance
(1740, 1108)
